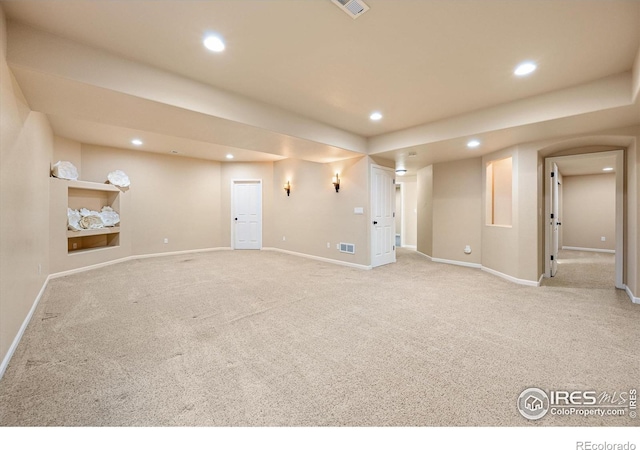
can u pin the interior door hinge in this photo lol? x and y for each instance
(552, 215)
(551, 257)
(553, 174)
(394, 247)
(394, 214)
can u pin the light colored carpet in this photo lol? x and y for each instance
(584, 269)
(261, 338)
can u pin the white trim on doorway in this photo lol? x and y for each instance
(619, 170)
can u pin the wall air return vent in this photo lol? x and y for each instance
(347, 248)
(354, 8)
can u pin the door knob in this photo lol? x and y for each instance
(236, 219)
(375, 222)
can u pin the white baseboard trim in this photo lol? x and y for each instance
(23, 327)
(486, 269)
(179, 252)
(512, 279)
(133, 258)
(318, 258)
(65, 273)
(540, 279)
(457, 263)
(583, 249)
(633, 298)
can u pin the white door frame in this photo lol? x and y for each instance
(554, 217)
(233, 205)
(619, 167)
(400, 213)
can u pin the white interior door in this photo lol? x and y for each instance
(247, 215)
(554, 220)
(383, 234)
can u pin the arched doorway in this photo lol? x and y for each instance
(583, 149)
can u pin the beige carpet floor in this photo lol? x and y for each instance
(584, 269)
(252, 338)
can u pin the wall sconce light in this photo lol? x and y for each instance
(336, 182)
(287, 187)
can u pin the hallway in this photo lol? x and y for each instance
(591, 270)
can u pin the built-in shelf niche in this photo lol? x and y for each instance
(499, 197)
(93, 196)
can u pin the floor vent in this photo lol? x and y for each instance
(354, 8)
(347, 248)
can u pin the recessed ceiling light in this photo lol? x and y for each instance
(412, 154)
(401, 171)
(136, 141)
(473, 143)
(214, 43)
(525, 68)
(229, 156)
(608, 169)
(174, 152)
(375, 116)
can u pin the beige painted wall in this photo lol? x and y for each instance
(528, 214)
(500, 250)
(315, 214)
(514, 250)
(588, 213)
(424, 195)
(26, 145)
(501, 204)
(457, 210)
(67, 150)
(170, 197)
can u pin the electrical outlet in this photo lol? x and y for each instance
(75, 246)
(603, 239)
(328, 245)
(166, 240)
(284, 238)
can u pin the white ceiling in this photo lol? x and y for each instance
(586, 165)
(421, 63)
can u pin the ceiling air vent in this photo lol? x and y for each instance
(354, 8)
